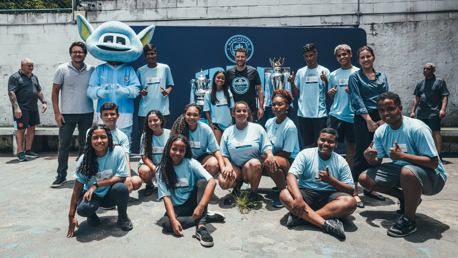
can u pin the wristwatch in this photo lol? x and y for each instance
(96, 185)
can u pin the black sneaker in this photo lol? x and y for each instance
(125, 222)
(252, 200)
(205, 238)
(236, 191)
(402, 206)
(403, 227)
(60, 180)
(148, 190)
(21, 156)
(335, 227)
(215, 216)
(294, 220)
(277, 203)
(108, 208)
(31, 154)
(93, 220)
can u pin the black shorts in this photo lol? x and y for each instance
(310, 129)
(345, 130)
(203, 156)
(218, 127)
(133, 173)
(434, 124)
(28, 118)
(318, 199)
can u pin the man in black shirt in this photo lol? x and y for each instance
(431, 97)
(24, 90)
(244, 81)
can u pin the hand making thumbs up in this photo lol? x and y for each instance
(332, 92)
(323, 77)
(370, 153)
(396, 153)
(291, 77)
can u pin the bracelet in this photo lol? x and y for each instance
(71, 216)
(44, 102)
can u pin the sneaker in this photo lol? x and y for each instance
(125, 222)
(215, 216)
(403, 227)
(294, 220)
(335, 227)
(60, 180)
(93, 220)
(277, 203)
(252, 200)
(31, 154)
(21, 156)
(402, 206)
(108, 208)
(148, 190)
(205, 238)
(236, 191)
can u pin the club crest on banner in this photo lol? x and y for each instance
(235, 42)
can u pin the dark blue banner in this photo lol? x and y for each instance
(188, 50)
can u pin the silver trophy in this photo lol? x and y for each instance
(199, 86)
(277, 78)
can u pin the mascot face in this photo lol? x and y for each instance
(114, 41)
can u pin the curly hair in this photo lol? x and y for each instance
(225, 90)
(241, 102)
(180, 126)
(148, 133)
(89, 166)
(168, 174)
(284, 94)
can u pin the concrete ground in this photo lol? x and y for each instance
(33, 222)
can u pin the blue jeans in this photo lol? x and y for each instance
(128, 132)
(84, 122)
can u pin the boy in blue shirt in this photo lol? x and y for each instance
(320, 186)
(416, 167)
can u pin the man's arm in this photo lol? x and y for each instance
(261, 101)
(55, 104)
(444, 107)
(416, 100)
(294, 87)
(396, 153)
(44, 106)
(326, 177)
(13, 99)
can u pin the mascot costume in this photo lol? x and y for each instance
(117, 44)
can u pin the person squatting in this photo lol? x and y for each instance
(189, 158)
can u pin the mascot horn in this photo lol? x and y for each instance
(114, 81)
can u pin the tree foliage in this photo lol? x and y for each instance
(34, 4)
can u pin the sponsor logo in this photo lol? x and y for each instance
(126, 78)
(235, 42)
(240, 85)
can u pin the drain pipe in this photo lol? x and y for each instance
(358, 15)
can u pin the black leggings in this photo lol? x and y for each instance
(118, 195)
(184, 212)
(363, 139)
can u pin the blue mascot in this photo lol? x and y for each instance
(117, 44)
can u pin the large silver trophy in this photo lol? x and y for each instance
(199, 86)
(277, 78)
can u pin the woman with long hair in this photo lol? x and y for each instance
(100, 175)
(204, 146)
(153, 140)
(186, 188)
(365, 86)
(282, 133)
(218, 104)
(242, 145)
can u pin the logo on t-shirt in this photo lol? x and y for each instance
(238, 41)
(108, 173)
(240, 85)
(182, 183)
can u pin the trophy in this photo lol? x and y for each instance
(198, 88)
(277, 78)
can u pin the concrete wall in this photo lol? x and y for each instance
(405, 34)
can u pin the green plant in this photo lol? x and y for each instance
(242, 201)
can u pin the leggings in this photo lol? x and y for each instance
(118, 195)
(363, 139)
(184, 211)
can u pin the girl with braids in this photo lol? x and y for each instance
(242, 145)
(218, 104)
(100, 174)
(203, 143)
(152, 145)
(186, 188)
(282, 133)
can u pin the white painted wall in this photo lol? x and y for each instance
(403, 43)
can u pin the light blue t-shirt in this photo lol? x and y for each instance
(312, 99)
(187, 173)
(307, 164)
(119, 139)
(242, 145)
(414, 137)
(158, 146)
(283, 137)
(341, 107)
(114, 163)
(154, 78)
(220, 112)
(202, 140)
